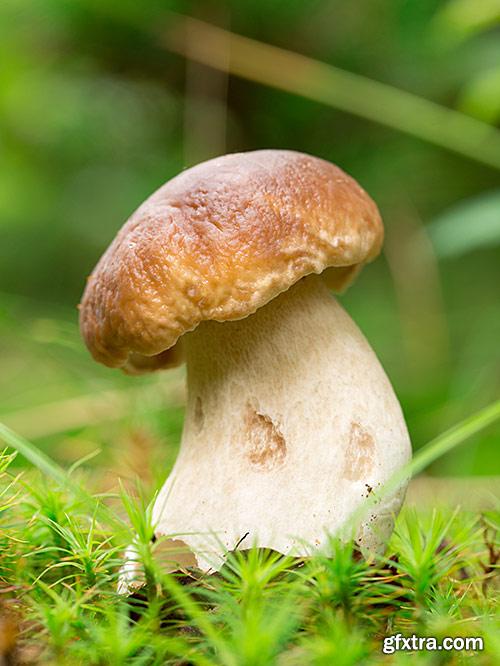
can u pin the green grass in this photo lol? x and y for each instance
(62, 544)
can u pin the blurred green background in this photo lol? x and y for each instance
(96, 112)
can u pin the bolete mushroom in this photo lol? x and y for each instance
(290, 419)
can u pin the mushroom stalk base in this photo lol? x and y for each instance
(291, 423)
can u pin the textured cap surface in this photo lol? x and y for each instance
(216, 243)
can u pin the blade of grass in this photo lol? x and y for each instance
(337, 88)
(455, 436)
(36, 457)
(50, 468)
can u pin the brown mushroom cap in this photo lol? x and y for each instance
(219, 241)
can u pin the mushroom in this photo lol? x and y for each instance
(290, 419)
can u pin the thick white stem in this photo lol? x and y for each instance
(291, 422)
